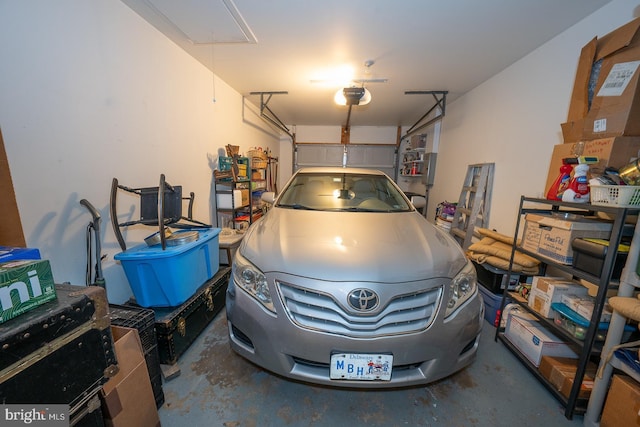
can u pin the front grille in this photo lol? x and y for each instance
(319, 311)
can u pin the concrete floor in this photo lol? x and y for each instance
(216, 387)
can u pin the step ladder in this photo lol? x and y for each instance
(474, 204)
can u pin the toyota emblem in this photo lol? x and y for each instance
(363, 299)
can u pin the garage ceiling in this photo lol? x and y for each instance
(413, 45)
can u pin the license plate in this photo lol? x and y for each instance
(361, 367)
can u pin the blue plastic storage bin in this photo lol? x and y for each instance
(9, 253)
(167, 278)
(491, 305)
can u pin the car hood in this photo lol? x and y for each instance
(351, 246)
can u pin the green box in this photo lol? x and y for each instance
(24, 285)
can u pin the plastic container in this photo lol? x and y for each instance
(615, 195)
(142, 319)
(492, 305)
(167, 278)
(561, 183)
(577, 325)
(225, 163)
(578, 189)
(8, 253)
(589, 255)
(491, 278)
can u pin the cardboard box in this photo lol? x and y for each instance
(584, 305)
(533, 340)
(573, 131)
(622, 407)
(11, 232)
(547, 290)
(611, 107)
(561, 373)
(24, 285)
(611, 152)
(127, 398)
(551, 237)
(258, 174)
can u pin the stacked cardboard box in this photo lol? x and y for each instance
(612, 152)
(605, 102)
(547, 290)
(533, 340)
(561, 371)
(551, 237)
(609, 108)
(584, 305)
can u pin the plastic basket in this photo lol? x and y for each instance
(615, 195)
(142, 319)
(225, 164)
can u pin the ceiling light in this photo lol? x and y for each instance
(352, 96)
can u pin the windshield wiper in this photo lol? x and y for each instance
(297, 206)
(357, 209)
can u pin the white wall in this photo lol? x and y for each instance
(514, 118)
(90, 92)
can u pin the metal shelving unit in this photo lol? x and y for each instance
(587, 349)
(227, 187)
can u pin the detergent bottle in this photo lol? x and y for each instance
(578, 189)
(561, 182)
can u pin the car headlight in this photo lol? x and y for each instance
(248, 277)
(462, 287)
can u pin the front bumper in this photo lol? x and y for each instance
(275, 343)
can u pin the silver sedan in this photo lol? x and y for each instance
(343, 283)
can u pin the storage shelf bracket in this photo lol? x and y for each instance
(268, 115)
(440, 98)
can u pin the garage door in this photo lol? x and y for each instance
(371, 156)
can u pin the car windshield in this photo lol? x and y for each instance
(345, 192)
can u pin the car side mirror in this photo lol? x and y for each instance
(268, 197)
